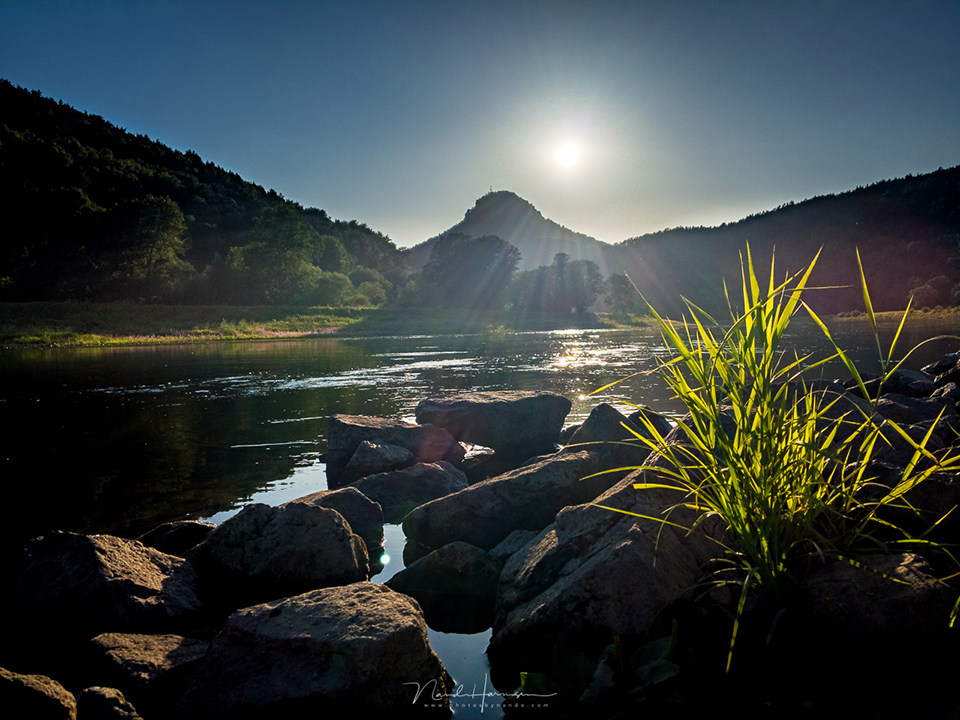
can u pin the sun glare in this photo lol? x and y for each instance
(568, 154)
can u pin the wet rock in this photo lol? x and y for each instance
(103, 703)
(373, 457)
(525, 499)
(267, 552)
(36, 697)
(84, 585)
(505, 421)
(175, 538)
(596, 574)
(360, 647)
(363, 514)
(427, 443)
(400, 491)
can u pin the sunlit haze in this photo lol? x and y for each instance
(613, 118)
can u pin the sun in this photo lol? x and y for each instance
(567, 154)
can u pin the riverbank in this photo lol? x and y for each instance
(55, 324)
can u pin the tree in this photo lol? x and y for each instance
(621, 296)
(468, 272)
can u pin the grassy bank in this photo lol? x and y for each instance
(91, 324)
(96, 324)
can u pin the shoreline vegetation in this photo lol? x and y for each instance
(70, 324)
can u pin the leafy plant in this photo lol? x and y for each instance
(782, 461)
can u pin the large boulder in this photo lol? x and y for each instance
(609, 432)
(400, 491)
(427, 443)
(360, 647)
(597, 574)
(35, 696)
(361, 512)
(84, 585)
(525, 499)
(266, 552)
(104, 703)
(506, 421)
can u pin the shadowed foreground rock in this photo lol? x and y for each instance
(36, 697)
(360, 647)
(505, 421)
(84, 585)
(363, 514)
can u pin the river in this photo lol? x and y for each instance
(118, 440)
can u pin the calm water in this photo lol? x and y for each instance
(118, 440)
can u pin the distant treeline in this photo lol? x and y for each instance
(95, 213)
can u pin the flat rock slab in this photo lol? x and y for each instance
(427, 443)
(351, 648)
(504, 421)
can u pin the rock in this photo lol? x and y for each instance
(596, 574)
(455, 585)
(400, 491)
(362, 513)
(150, 668)
(525, 499)
(908, 411)
(512, 543)
(938, 367)
(84, 585)
(175, 538)
(267, 552)
(360, 647)
(911, 383)
(455, 569)
(609, 432)
(949, 391)
(427, 443)
(505, 421)
(36, 697)
(102, 703)
(659, 422)
(373, 457)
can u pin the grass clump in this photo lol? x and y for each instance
(783, 462)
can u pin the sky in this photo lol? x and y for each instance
(613, 118)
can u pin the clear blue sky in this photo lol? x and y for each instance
(400, 114)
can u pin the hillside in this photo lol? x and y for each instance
(93, 212)
(511, 218)
(907, 232)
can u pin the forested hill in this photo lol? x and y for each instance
(907, 232)
(511, 218)
(94, 212)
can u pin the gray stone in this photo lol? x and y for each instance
(84, 585)
(609, 432)
(597, 573)
(512, 543)
(504, 420)
(36, 697)
(103, 703)
(267, 552)
(137, 661)
(401, 491)
(524, 499)
(373, 457)
(908, 411)
(360, 647)
(427, 443)
(362, 513)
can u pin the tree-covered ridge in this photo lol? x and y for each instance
(95, 212)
